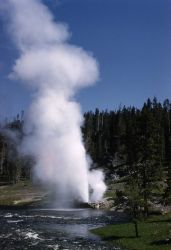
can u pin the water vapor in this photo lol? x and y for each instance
(55, 70)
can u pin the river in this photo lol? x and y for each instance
(54, 229)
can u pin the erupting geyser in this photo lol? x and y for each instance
(55, 70)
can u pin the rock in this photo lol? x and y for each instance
(104, 204)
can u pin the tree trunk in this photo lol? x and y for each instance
(136, 228)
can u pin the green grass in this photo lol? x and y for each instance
(154, 233)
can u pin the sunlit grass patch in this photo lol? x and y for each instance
(154, 234)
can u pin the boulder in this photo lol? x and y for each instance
(106, 203)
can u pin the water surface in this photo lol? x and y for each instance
(54, 228)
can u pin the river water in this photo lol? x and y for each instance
(54, 229)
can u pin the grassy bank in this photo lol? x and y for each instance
(22, 193)
(154, 234)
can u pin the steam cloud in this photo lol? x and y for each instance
(55, 70)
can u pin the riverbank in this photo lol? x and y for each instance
(24, 193)
(28, 193)
(154, 234)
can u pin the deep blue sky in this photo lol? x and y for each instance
(131, 40)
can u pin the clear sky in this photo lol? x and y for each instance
(131, 39)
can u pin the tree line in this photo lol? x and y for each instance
(13, 166)
(133, 145)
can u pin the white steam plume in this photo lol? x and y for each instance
(55, 70)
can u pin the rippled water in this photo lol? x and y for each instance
(54, 228)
